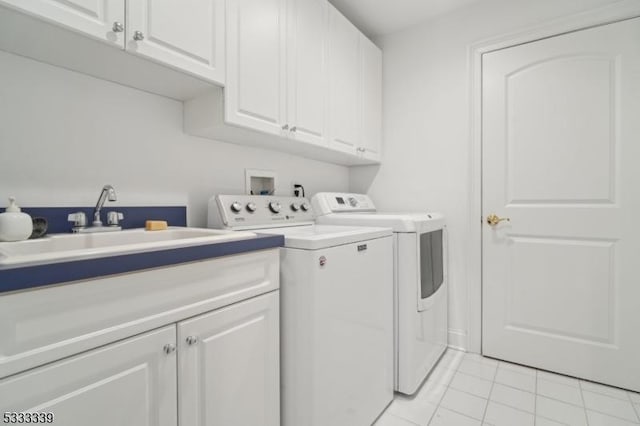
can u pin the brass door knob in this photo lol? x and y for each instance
(493, 219)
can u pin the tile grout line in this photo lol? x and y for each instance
(586, 415)
(448, 386)
(443, 394)
(535, 401)
(602, 412)
(633, 405)
(456, 369)
(493, 382)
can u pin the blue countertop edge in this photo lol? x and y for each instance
(56, 273)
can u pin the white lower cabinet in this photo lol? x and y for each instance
(222, 366)
(129, 383)
(229, 365)
(195, 344)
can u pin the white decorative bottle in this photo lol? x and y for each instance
(15, 225)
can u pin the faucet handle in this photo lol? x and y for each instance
(114, 218)
(79, 220)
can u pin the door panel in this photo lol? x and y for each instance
(307, 94)
(560, 126)
(230, 375)
(131, 383)
(94, 18)
(344, 82)
(572, 98)
(187, 35)
(256, 60)
(371, 130)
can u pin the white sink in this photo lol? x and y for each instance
(68, 247)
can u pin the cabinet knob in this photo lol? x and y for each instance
(294, 128)
(192, 340)
(285, 127)
(138, 36)
(169, 348)
(118, 27)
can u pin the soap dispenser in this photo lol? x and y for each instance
(15, 225)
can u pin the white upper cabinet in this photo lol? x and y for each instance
(185, 35)
(100, 19)
(255, 91)
(371, 89)
(344, 83)
(307, 100)
(185, 38)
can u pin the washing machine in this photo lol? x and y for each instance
(419, 277)
(336, 310)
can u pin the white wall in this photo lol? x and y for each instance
(426, 122)
(63, 135)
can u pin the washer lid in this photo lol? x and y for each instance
(399, 222)
(315, 237)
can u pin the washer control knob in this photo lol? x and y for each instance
(295, 207)
(305, 207)
(251, 207)
(353, 202)
(236, 207)
(275, 207)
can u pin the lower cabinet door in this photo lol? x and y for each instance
(129, 383)
(229, 365)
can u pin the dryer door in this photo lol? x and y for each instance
(431, 255)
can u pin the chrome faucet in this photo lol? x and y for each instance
(79, 219)
(107, 191)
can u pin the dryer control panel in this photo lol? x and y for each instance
(340, 202)
(258, 211)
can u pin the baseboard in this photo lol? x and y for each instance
(458, 339)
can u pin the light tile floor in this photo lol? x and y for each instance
(468, 389)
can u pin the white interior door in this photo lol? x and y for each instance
(561, 123)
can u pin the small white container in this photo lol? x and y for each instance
(15, 225)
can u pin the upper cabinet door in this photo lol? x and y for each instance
(344, 83)
(255, 93)
(187, 35)
(100, 19)
(307, 105)
(371, 74)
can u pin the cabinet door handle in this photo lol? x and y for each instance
(118, 27)
(169, 348)
(138, 35)
(191, 340)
